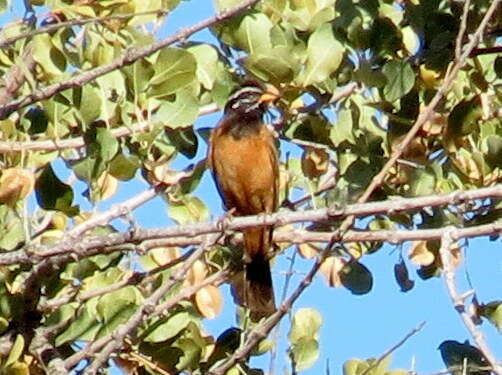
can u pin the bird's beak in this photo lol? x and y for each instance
(270, 95)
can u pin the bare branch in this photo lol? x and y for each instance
(91, 245)
(116, 211)
(78, 142)
(261, 331)
(148, 307)
(461, 32)
(458, 301)
(77, 22)
(131, 55)
(185, 293)
(485, 51)
(427, 112)
(395, 347)
(16, 76)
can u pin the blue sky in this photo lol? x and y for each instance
(354, 326)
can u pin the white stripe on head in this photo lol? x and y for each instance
(243, 90)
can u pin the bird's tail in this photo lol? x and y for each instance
(259, 292)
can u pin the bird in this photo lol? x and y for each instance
(244, 161)
(457, 355)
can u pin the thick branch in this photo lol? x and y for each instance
(457, 300)
(92, 244)
(130, 56)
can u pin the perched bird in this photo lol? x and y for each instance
(244, 160)
(457, 355)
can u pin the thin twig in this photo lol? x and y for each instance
(130, 56)
(77, 22)
(287, 280)
(447, 240)
(261, 331)
(78, 142)
(461, 32)
(394, 348)
(148, 307)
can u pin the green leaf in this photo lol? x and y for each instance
(354, 367)
(124, 167)
(88, 168)
(184, 140)
(253, 34)
(191, 354)
(343, 130)
(493, 312)
(497, 66)
(356, 278)
(274, 66)
(304, 353)
(49, 58)
(38, 120)
(84, 327)
(494, 153)
(207, 64)
(174, 69)
(53, 194)
(400, 79)
(190, 210)
(16, 350)
(108, 144)
(226, 4)
(169, 328)
(306, 324)
(4, 4)
(422, 182)
(189, 184)
(116, 308)
(182, 112)
(18, 368)
(324, 55)
(139, 75)
(455, 353)
(11, 231)
(464, 118)
(91, 103)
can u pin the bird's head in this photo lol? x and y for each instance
(250, 100)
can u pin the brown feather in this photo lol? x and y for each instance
(246, 169)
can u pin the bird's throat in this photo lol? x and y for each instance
(243, 127)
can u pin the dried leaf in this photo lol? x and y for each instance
(307, 251)
(209, 301)
(15, 184)
(331, 268)
(420, 255)
(164, 255)
(197, 272)
(107, 185)
(315, 162)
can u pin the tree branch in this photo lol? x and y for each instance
(395, 347)
(131, 55)
(78, 142)
(77, 22)
(427, 112)
(447, 240)
(215, 279)
(91, 245)
(261, 331)
(148, 307)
